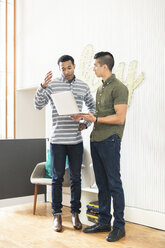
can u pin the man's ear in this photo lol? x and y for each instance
(105, 67)
(74, 66)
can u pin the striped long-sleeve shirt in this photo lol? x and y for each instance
(64, 129)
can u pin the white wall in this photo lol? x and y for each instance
(131, 30)
(30, 122)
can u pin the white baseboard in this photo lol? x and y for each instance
(20, 200)
(144, 217)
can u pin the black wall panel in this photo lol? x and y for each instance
(18, 158)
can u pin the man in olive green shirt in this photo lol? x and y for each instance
(111, 107)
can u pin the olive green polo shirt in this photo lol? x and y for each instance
(109, 94)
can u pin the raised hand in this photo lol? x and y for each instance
(47, 79)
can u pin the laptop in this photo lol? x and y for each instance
(65, 103)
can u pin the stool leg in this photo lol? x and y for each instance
(45, 195)
(35, 198)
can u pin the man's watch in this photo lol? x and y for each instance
(42, 86)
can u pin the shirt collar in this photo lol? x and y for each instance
(66, 81)
(109, 80)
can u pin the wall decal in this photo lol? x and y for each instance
(86, 73)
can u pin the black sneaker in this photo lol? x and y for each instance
(98, 227)
(116, 234)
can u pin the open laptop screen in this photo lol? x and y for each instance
(65, 103)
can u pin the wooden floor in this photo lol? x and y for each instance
(20, 229)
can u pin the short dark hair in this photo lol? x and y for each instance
(65, 58)
(105, 58)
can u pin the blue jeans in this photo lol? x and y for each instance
(106, 162)
(58, 155)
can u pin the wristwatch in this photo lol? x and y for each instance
(42, 86)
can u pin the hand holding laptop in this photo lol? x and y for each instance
(77, 117)
(86, 117)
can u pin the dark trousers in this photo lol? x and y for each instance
(106, 163)
(58, 155)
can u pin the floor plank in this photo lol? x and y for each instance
(19, 228)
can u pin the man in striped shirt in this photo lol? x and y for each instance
(66, 137)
